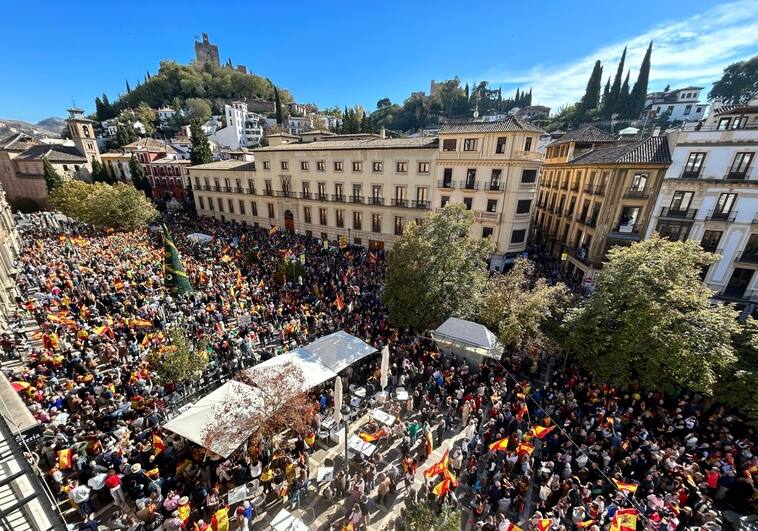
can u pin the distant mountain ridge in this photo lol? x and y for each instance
(49, 127)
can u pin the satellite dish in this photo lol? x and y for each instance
(476, 113)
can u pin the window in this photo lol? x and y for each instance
(376, 222)
(422, 195)
(687, 109)
(401, 167)
(470, 183)
(85, 128)
(740, 165)
(495, 179)
(307, 214)
(398, 225)
(309, 234)
(270, 210)
(376, 193)
(518, 236)
(638, 182)
(469, 144)
(357, 241)
(266, 165)
(693, 166)
(304, 165)
(254, 207)
(285, 165)
(524, 205)
(492, 205)
(230, 204)
(322, 195)
(528, 144)
(674, 230)
(680, 202)
(357, 165)
(357, 191)
(751, 248)
(423, 167)
(357, 220)
(528, 176)
(444, 200)
(710, 241)
(324, 236)
(337, 165)
(468, 202)
(340, 218)
(322, 216)
(377, 166)
(400, 193)
(321, 165)
(724, 205)
(500, 146)
(220, 204)
(202, 202)
(447, 178)
(449, 144)
(487, 232)
(628, 219)
(724, 124)
(306, 189)
(738, 282)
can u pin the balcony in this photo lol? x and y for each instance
(564, 185)
(446, 184)
(717, 215)
(469, 185)
(688, 214)
(690, 175)
(376, 201)
(268, 191)
(322, 197)
(495, 186)
(631, 193)
(575, 186)
(251, 191)
(736, 175)
(625, 231)
(358, 199)
(418, 203)
(592, 222)
(580, 254)
(338, 198)
(284, 193)
(399, 202)
(483, 215)
(527, 155)
(748, 257)
(216, 188)
(237, 190)
(306, 195)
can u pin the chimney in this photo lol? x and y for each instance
(382, 133)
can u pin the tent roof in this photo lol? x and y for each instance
(199, 237)
(192, 422)
(467, 332)
(314, 373)
(338, 350)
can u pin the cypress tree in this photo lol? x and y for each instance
(611, 104)
(278, 105)
(52, 178)
(128, 88)
(529, 97)
(139, 179)
(639, 91)
(517, 99)
(200, 150)
(466, 90)
(591, 98)
(622, 105)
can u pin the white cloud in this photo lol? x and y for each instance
(691, 51)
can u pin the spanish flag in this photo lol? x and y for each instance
(501, 444)
(184, 513)
(522, 411)
(261, 285)
(373, 437)
(442, 488)
(183, 466)
(65, 459)
(340, 303)
(439, 467)
(544, 524)
(103, 331)
(158, 444)
(524, 448)
(586, 523)
(273, 230)
(139, 323)
(624, 520)
(239, 280)
(510, 526)
(541, 432)
(626, 487)
(449, 475)
(220, 520)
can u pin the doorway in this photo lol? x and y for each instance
(289, 221)
(738, 283)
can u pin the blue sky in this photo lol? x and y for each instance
(343, 53)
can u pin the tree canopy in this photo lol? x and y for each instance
(200, 150)
(119, 206)
(436, 270)
(650, 320)
(180, 360)
(738, 84)
(52, 178)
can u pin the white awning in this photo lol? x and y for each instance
(467, 337)
(199, 237)
(339, 350)
(192, 422)
(314, 372)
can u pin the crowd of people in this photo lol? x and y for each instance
(103, 309)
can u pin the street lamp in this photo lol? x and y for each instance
(345, 416)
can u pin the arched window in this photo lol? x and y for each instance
(85, 130)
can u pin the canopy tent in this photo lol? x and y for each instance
(467, 339)
(314, 373)
(192, 422)
(338, 351)
(199, 237)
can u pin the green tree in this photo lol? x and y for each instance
(591, 98)
(738, 84)
(147, 116)
(738, 385)
(139, 179)
(612, 101)
(125, 134)
(53, 179)
(99, 174)
(622, 106)
(650, 320)
(278, 107)
(120, 206)
(197, 109)
(639, 91)
(200, 150)
(384, 102)
(522, 308)
(422, 518)
(181, 360)
(436, 270)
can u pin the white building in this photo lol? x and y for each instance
(165, 114)
(243, 127)
(710, 195)
(683, 104)
(299, 109)
(298, 124)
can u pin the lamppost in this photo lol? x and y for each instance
(345, 417)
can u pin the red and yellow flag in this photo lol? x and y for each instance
(544, 524)
(184, 513)
(442, 488)
(439, 467)
(510, 526)
(220, 520)
(521, 412)
(541, 432)
(524, 448)
(626, 487)
(373, 437)
(586, 523)
(624, 520)
(65, 459)
(501, 444)
(340, 303)
(158, 444)
(273, 230)
(139, 323)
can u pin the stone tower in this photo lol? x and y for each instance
(205, 52)
(82, 132)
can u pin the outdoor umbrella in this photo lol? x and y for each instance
(338, 400)
(385, 365)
